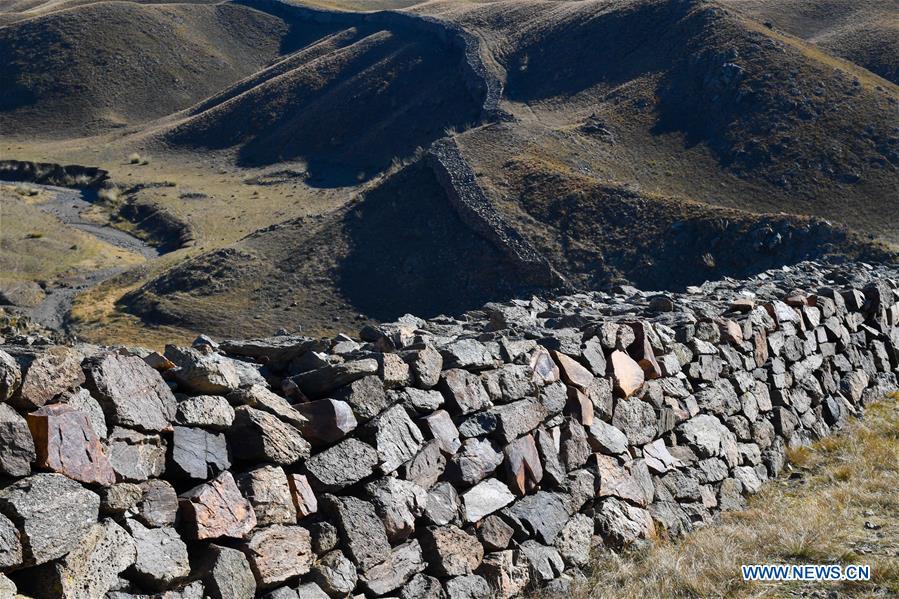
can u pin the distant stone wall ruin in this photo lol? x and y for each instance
(470, 457)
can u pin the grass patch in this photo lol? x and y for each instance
(841, 505)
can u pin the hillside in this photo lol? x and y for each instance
(658, 142)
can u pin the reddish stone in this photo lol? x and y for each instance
(217, 509)
(579, 406)
(303, 498)
(572, 372)
(523, 468)
(627, 375)
(66, 443)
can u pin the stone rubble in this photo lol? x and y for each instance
(469, 457)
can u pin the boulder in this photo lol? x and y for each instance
(622, 524)
(328, 420)
(572, 372)
(637, 419)
(544, 562)
(268, 491)
(53, 514)
(398, 503)
(575, 540)
(506, 573)
(216, 509)
(523, 468)
(450, 551)
(486, 497)
(207, 411)
(197, 454)
(81, 399)
(442, 504)
(345, 464)
(161, 556)
(158, 503)
(475, 461)
(426, 467)
(10, 545)
(426, 365)
(518, 418)
(304, 500)
(463, 391)
(404, 562)
(335, 574)
(361, 530)
(130, 392)
(541, 516)
(494, 533)
(16, 445)
(438, 425)
(321, 381)
(44, 376)
(226, 573)
(135, 456)
(202, 371)
(396, 438)
(10, 376)
(94, 566)
(366, 397)
(423, 586)
(468, 354)
(605, 438)
(468, 587)
(260, 398)
(258, 436)
(627, 375)
(278, 553)
(544, 370)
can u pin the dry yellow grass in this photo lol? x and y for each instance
(817, 516)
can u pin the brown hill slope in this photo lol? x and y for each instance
(105, 64)
(865, 32)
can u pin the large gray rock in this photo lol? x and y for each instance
(575, 540)
(398, 503)
(135, 456)
(260, 398)
(81, 399)
(329, 420)
(10, 545)
(158, 503)
(361, 529)
(541, 516)
(319, 382)
(260, 437)
(197, 454)
(203, 372)
(396, 438)
(466, 353)
(16, 445)
(621, 523)
(226, 573)
(606, 438)
(426, 365)
(463, 391)
(93, 567)
(426, 467)
(66, 443)
(545, 562)
(10, 376)
(52, 513)
(438, 425)
(477, 459)
(442, 506)
(335, 574)
(366, 396)
(518, 418)
(485, 498)
(637, 419)
(450, 551)
(161, 556)
(468, 587)
(279, 553)
(345, 464)
(46, 375)
(130, 392)
(268, 491)
(208, 411)
(403, 563)
(423, 586)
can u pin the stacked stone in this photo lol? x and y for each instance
(471, 457)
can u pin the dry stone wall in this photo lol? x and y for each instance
(470, 457)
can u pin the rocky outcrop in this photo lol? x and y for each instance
(478, 456)
(46, 173)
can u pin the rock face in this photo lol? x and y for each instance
(131, 393)
(470, 457)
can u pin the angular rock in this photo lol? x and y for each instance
(637, 419)
(544, 369)
(606, 438)
(362, 531)
(46, 375)
(16, 445)
(621, 523)
(575, 540)
(197, 454)
(579, 406)
(506, 574)
(615, 481)
(494, 533)
(268, 491)
(541, 516)
(207, 411)
(260, 398)
(10, 376)
(203, 372)
(450, 551)
(226, 574)
(321, 381)
(468, 587)
(130, 392)
(52, 513)
(258, 436)
(572, 372)
(486, 497)
(329, 420)
(439, 426)
(518, 418)
(419, 400)
(345, 464)
(157, 504)
(216, 509)
(335, 574)
(278, 553)
(81, 399)
(475, 462)
(426, 365)
(574, 446)
(161, 556)
(627, 375)
(310, 590)
(135, 456)
(396, 438)
(466, 353)
(93, 567)
(658, 458)
(402, 564)
(423, 586)
(365, 396)
(463, 391)
(398, 503)
(523, 468)
(442, 505)
(10, 545)
(545, 563)
(426, 467)
(304, 500)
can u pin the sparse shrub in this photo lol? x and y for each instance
(24, 190)
(34, 235)
(108, 194)
(134, 158)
